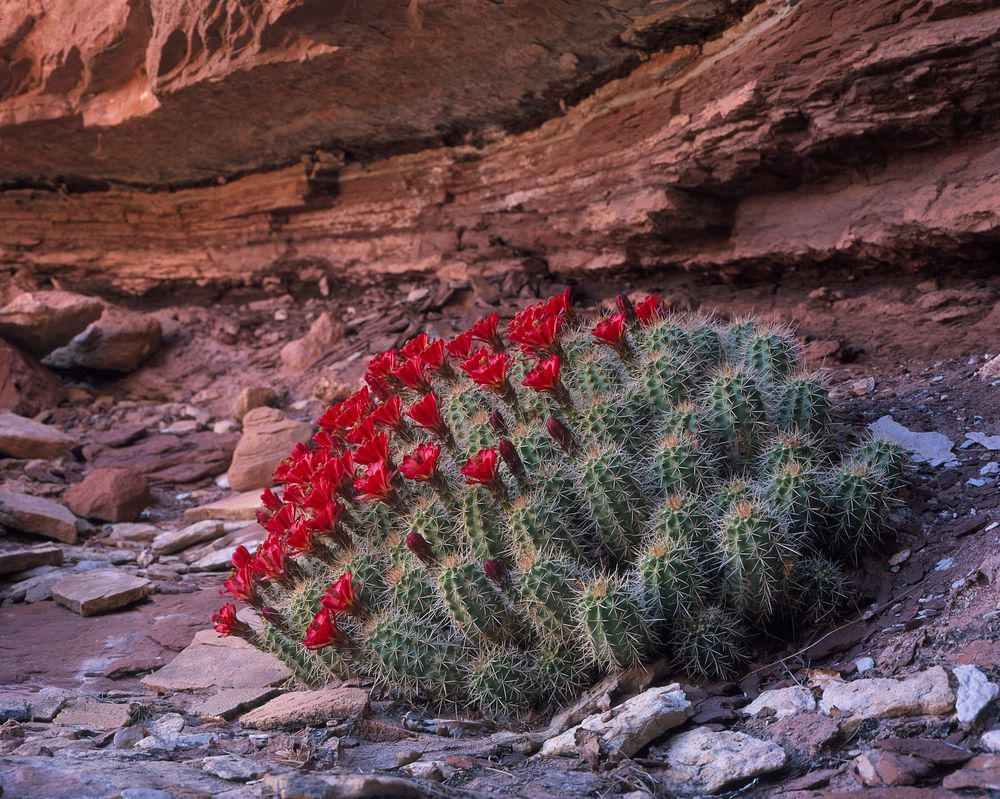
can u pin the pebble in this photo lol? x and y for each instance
(975, 693)
(783, 701)
(864, 664)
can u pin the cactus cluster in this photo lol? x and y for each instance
(498, 523)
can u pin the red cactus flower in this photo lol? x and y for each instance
(422, 464)
(379, 369)
(485, 330)
(271, 559)
(281, 521)
(460, 346)
(535, 330)
(344, 415)
(545, 377)
(610, 331)
(374, 450)
(293, 495)
(339, 472)
(271, 500)
(342, 598)
(326, 522)
(433, 355)
(226, 623)
(241, 557)
(415, 346)
(389, 413)
(300, 537)
(559, 304)
(241, 584)
(320, 495)
(649, 309)
(418, 545)
(426, 413)
(413, 374)
(482, 468)
(376, 484)
(325, 440)
(362, 432)
(322, 631)
(488, 369)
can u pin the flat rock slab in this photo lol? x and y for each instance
(90, 714)
(169, 458)
(932, 448)
(99, 591)
(96, 774)
(21, 437)
(176, 540)
(134, 531)
(982, 772)
(627, 728)
(926, 693)
(13, 561)
(230, 702)
(236, 508)
(38, 516)
(307, 708)
(783, 701)
(214, 662)
(704, 762)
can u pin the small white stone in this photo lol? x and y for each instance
(630, 726)
(975, 692)
(864, 664)
(990, 741)
(934, 448)
(783, 701)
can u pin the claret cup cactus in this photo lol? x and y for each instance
(497, 523)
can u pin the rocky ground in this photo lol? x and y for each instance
(130, 467)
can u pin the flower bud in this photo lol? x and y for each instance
(498, 424)
(561, 434)
(495, 571)
(625, 306)
(418, 545)
(509, 454)
(273, 617)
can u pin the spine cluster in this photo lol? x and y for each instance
(499, 522)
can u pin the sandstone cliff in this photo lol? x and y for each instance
(224, 140)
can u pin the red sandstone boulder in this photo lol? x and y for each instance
(111, 495)
(268, 437)
(120, 341)
(26, 387)
(40, 321)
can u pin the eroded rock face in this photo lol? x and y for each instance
(806, 133)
